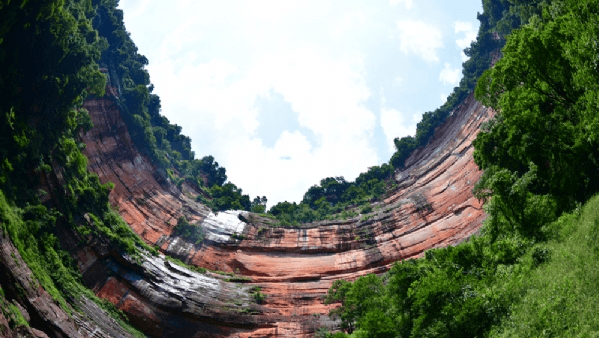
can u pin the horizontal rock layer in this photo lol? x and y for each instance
(433, 206)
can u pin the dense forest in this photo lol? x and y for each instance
(532, 272)
(49, 51)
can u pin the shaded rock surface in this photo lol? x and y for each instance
(44, 316)
(432, 206)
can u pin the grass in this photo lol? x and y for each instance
(237, 236)
(232, 276)
(16, 317)
(514, 286)
(53, 268)
(181, 264)
(560, 298)
(259, 297)
(21, 234)
(239, 279)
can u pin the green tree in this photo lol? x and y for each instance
(543, 90)
(259, 204)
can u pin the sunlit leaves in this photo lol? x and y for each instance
(545, 89)
(540, 157)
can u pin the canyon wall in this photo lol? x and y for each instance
(293, 267)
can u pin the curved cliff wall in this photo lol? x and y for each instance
(432, 206)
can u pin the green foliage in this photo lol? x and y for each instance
(356, 299)
(238, 236)
(239, 279)
(511, 205)
(259, 297)
(16, 317)
(39, 91)
(338, 294)
(507, 15)
(259, 204)
(226, 197)
(499, 18)
(404, 148)
(190, 267)
(545, 89)
(153, 133)
(31, 230)
(214, 174)
(192, 232)
(334, 195)
(532, 272)
(49, 52)
(561, 297)
(366, 209)
(322, 333)
(453, 292)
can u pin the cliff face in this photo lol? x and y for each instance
(44, 316)
(433, 206)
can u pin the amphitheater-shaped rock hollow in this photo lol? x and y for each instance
(292, 267)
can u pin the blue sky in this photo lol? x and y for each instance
(285, 93)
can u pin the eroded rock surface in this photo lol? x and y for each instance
(44, 316)
(433, 206)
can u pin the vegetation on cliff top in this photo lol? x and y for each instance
(171, 151)
(49, 52)
(532, 272)
(334, 194)
(165, 145)
(152, 132)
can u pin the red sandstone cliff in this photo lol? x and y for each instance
(433, 206)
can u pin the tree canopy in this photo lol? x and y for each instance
(545, 92)
(540, 159)
(334, 194)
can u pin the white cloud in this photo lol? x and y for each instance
(450, 75)
(416, 117)
(407, 3)
(394, 125)
(468, 30)
(419, 38)
(174, 42)
(134, 8)
(327, 93)
(443, 98)
(397, 124)
(469, 35)
(463, 56)
(347, 22)
(210, 61)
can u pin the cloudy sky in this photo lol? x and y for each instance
(284, 93)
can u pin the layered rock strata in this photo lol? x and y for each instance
(432, 206)
(43, 315)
